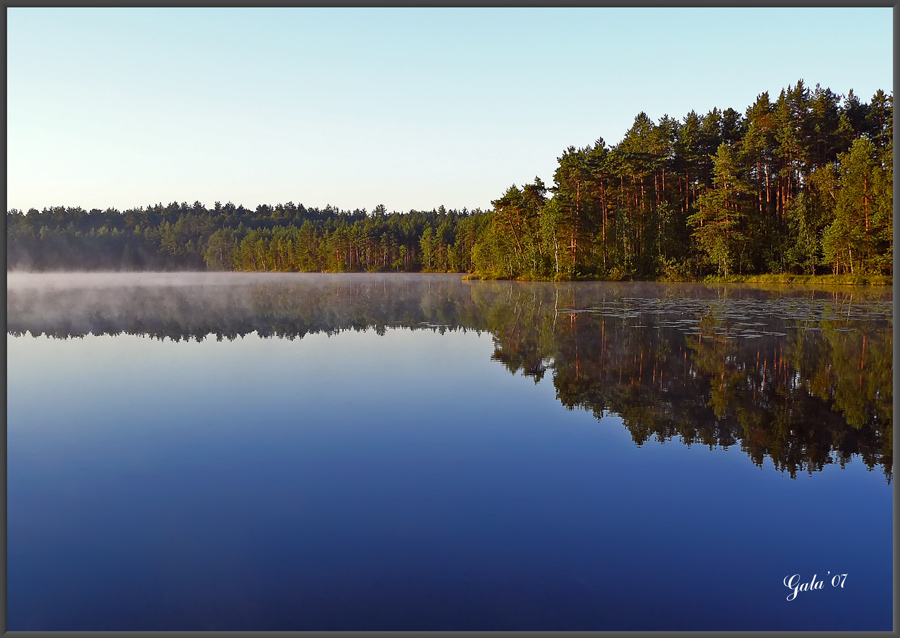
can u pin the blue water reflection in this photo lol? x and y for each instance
(396, 479)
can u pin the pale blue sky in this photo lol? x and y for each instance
(412, 108)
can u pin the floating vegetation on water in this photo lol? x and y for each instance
(740, 318)
(434, 325)
(743, 311)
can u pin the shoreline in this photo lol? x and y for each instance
(784, 279)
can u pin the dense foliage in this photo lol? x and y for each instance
(282, 238)
(799, 185)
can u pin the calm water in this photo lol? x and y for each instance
(316, 452)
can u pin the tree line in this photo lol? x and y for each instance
(281, 238)
(801, 184)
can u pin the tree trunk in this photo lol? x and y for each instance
(866, 211)
(603, 204)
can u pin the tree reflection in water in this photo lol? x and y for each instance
(800, 376)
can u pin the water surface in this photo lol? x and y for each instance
(373, 452)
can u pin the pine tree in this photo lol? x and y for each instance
(722, 208)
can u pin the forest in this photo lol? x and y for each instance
(801, 184)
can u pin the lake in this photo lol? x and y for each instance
(417, 452)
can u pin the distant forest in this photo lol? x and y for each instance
(800, 185)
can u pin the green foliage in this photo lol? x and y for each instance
(799, 185)
(721, 211)
(860, 237)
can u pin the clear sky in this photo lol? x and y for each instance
(412, 108)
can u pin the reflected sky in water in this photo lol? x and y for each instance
(372, 464)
